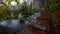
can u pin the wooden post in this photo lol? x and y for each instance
(51, 29)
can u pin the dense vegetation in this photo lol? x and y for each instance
(26, 10)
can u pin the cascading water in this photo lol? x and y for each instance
(14, 25)
(12, 16)
(33, 17)
(19, 16)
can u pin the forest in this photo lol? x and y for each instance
(25, 8)
(17, 14)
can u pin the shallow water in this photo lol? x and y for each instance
(14, 25)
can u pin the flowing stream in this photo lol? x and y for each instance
(14, 25)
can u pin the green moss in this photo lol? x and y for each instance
(15, 14)
(1, 12)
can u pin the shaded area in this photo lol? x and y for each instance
(13, 26)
